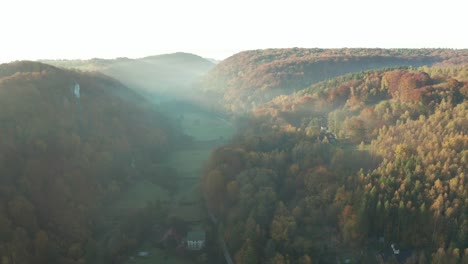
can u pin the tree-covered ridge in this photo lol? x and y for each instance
(250, 78)
(64, 153)
(355, 106)
(390, 167)
(9, 69)
(97, 64)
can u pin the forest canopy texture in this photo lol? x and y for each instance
(341, 155)
(63, 154)
(346, 167)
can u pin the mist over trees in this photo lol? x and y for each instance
(160, 77)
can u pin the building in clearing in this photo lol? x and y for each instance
(196, 240)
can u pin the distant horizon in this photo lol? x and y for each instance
(209, 57)
(113, 57)
(53, 29)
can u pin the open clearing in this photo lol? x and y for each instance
(157, 256)
(189, 162)
(203, 127)
(207, 130)
(140, 194)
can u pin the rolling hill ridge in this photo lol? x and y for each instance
(250, 78)
(160, 76)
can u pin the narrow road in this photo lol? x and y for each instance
(226, 254)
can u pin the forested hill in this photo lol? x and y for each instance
(8, 69)
(166, 75)
(251, 77)
(69, 143)
(390, 168)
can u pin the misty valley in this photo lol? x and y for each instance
(277, 156)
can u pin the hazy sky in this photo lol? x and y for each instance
(51, 29)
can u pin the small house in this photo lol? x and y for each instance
(196, 240)
(395, 251)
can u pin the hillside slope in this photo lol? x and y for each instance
(390, 169)
(252, 77)
(64, 152)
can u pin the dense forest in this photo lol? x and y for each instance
(348, 168)
(70, 142)
(250, 78)
(340, 156)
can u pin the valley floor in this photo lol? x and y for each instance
(208, 132)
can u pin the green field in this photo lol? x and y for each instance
(206, 127)
(189, 162)
(140, 194)
(156, 256)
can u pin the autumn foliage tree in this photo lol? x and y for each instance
(391, 165)
(63, 157)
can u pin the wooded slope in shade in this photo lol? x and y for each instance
(63, 156)
(250, 78)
